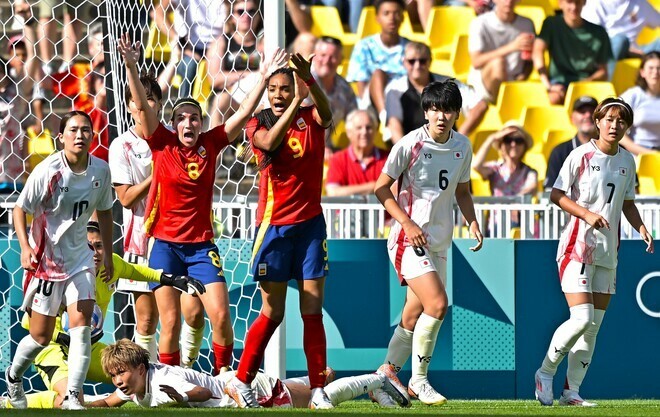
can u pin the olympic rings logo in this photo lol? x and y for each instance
(638, 294)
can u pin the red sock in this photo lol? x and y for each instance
(222, 356)
(315, 348)
(255, 344)
(173, 358)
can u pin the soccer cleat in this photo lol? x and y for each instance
(330, 375)
(72, 402)
(392, 386)
(425, 393)
(382, 398)
(569, 397)
(543, 391)
(241, 393)
(320, 400)
(15, 393)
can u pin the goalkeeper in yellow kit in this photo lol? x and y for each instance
(51, 363)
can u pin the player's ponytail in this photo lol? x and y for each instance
(267, 119)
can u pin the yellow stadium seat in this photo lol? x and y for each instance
(537, 121)
(538, 162)
(158, 46)
(39, 146)
(536, 13)
(599, 90)
(339, 138)
(368, 26)
(458, 64)
(625, 74)
(554, 138)
(514, 233)
(648, 35)
(480, 186)
(445, 23)
(202, 88)
(479, 138)
(326, 22)
(514, 96)
(545, 4)
(648, 168)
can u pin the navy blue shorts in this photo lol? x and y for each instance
(298, 251)
(197, 260)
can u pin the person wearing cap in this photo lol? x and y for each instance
(595, 186)
(509, 175)
(582, 119)
(179, 206)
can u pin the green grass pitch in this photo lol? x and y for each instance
(460, 408)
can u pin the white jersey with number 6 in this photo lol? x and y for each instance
(61, 203)
(600, 183)
(428, 174)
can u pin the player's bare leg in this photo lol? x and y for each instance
(216, 304)
(146, 316)
(169, 306)
(192, 329)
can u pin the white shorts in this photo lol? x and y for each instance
(577, 277)
(129, 285)
(50, 297)
(410, 265)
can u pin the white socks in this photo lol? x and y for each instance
(149, 343)
(579, 358)
(400, 347)
(191, 342)
(26, 351)
(80, 354)
(424, 337)
(346, 389)
(566, 335)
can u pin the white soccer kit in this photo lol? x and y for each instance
(61, 203)
(184, 380)
(428, 174)
(587, 257)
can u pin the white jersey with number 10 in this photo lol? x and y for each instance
(600, 183)
(61, 203)
(428, 174)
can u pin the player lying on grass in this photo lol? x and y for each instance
(154, 384)
(52, 362)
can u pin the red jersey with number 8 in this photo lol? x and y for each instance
(290, 186)
(179, 205)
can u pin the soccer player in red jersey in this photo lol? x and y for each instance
(179, 207)
(288, 142)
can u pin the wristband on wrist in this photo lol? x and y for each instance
(310, 82)
(184, 398)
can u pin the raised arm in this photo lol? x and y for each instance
(237, 121)
(271, 139)
(322, 114)
(131, 52)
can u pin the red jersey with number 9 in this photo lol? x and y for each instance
(290, 187)
(179, 205)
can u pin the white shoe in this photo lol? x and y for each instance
(382, 398)
(320, 400)
(241, 393)
(15, 392)
(569, 397)
(72, 402)
(425, 393)
(543, 391)
(392, 386)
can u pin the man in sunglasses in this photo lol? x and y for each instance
(403, 95)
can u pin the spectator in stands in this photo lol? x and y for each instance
(197, 23)
(12, 141)
(354, 10)
(52, 13)
(378, 58)
(500, 44)
(623, 20)
(298, 26)
(509, 175)
(355, 169)
(582, 118)
(644, 134)
(579, 50)
(403, 100)
(328, 54)
(479, 6)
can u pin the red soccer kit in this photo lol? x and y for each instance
(179, 205)
(290, 187)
